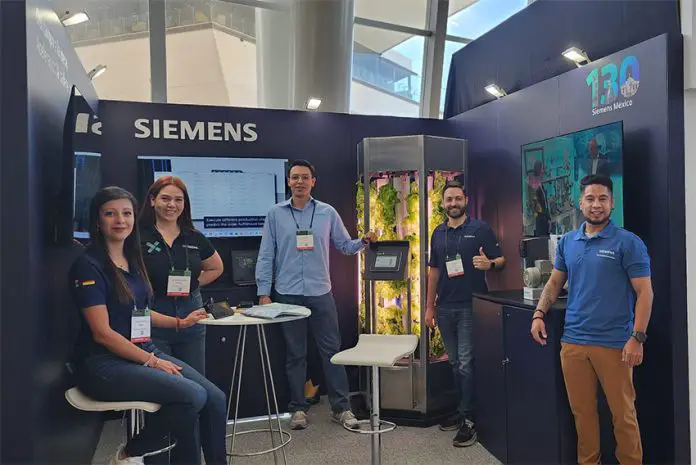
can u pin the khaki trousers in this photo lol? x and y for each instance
(582, 366)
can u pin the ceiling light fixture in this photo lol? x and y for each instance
(96, 72)
(577, 55)
(495, 90)
(71, 19)
(313, 103)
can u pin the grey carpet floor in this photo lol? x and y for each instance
(325, 442)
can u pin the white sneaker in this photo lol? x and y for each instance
(115, 460)
(346, 419)
(299, 420)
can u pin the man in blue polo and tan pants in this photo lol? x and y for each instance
(609, 305)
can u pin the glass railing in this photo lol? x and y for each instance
(375, 70)
(368, 67)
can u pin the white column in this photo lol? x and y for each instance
(273, 58)
(688, 16)
(305, 49)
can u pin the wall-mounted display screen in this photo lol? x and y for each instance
(86, 183)
(230, 197)
(551, 174)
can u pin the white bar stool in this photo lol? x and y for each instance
(80, 401)
(377, 351)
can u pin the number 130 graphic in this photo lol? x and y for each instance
(612, 80)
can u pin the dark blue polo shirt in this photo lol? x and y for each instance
(601, 298)
(190, 248)
(91, 285)
(465, 240)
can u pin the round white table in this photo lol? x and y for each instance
(239, 319)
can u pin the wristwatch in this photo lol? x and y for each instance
(639, 336)
(492, 265)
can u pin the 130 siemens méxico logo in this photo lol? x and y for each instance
(178, 130)
(618, 85)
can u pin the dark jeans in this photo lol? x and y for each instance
(456, 327)
(324, 326)
(188, 344)
(183, 399)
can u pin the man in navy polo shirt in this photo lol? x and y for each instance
(462, 249)
(609, 304)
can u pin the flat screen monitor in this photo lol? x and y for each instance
(86, 183)
(551, 174)
(230, 197)
(244, 267)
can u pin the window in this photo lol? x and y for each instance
(211, 53)
(387, 70)
(480, 17)
(411, 13)
(117, 36)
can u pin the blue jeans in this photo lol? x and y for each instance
(187, 344)
(324, 326)
(456, 328)
(183, 399)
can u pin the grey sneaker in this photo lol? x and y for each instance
(346, 419)
(466, 436)
(299, 420)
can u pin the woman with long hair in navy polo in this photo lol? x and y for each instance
(117, 360)
(179, 259)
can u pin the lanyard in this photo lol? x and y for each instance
(459, 240)
(311, 222)
(169, 255)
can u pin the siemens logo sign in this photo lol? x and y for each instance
(175, 130)
(199, 130)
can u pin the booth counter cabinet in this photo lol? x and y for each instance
(523, 414)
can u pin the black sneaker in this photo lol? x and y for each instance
(466, 436)
(451, 423)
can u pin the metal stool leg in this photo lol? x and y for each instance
(243, 332)
(374, 416)
(268, 400)
(275, 399)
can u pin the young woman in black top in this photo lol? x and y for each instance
(116, 358)
(179, 259)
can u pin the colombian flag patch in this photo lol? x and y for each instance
(90, 282)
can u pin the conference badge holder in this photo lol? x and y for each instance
(455, 267)
(179, 283)
(140, 325)
(305, 240)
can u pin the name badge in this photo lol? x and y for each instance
(305, 240)
(455, 266)
(140, 325)
(179, 283)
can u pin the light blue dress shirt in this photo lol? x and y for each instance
(300, 272)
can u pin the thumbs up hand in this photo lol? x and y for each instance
(481, 261)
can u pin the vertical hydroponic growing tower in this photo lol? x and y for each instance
(400, 182)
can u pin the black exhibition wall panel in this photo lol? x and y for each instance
(653, 203)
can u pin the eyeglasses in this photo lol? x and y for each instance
(297, 177)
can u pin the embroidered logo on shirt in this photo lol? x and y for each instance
(153, 247)
(192, 247)
(469, 236)
(606, 254)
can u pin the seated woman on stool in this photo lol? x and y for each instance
(118, 362)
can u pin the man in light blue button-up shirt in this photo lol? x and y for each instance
(294, 260)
